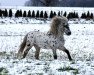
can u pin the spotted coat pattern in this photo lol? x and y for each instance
(52, 39)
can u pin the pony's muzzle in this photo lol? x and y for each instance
(68, 33)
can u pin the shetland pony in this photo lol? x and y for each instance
(52, 39)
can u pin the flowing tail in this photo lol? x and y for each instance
(23, 44)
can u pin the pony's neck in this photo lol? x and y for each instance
(61, 37)
(60, 34)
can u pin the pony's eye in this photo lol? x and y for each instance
(65, 26)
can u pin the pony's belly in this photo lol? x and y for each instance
(44, 46)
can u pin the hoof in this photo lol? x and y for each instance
(71, 59)
(55, 57)
(19, 55)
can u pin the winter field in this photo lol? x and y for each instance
(80, 44)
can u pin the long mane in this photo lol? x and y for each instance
(55, 24)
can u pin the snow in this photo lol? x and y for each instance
(80, 44)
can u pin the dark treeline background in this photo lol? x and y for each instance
(44, 15)
(59, 3)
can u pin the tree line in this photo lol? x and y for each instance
(44, 14)
(5, 13)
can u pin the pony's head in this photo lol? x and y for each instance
(60, 25)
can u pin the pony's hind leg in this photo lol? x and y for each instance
(27, 48)
(37, 51)
(22, 46)
(20, 51)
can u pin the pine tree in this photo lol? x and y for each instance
(41, 14)
(37, 14)
(69, 15)
(45, 15)
(24, 14)
(59, 13)
(54, 14)
(17, 13)
(5, 14)
(29, 14)
(91, 15)
(51, 14)
(83, 16)
(65, 14)
(73, 14)
(10, 13)
(76, 15)
(33, 14)
(88, 14)
(20, 13)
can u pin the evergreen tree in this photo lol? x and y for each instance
(65, 14)
(24, 14)
(33, 14)
(20, 13)
(51, 14)
(54, 14)
(88, 14)
(76, 15)
(41, 14)
(5, 14)
(17, 13)
(73, 14)
(69, 16)
(10, 13)
(91, 15)
(59, 13)
(37, 14)
(83, 16)
(45, 15)
(29, 14)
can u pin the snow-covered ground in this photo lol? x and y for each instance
(80, 45)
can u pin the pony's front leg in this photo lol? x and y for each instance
(68, 53)
(54, 54)
(37, 54)
(37, 51)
